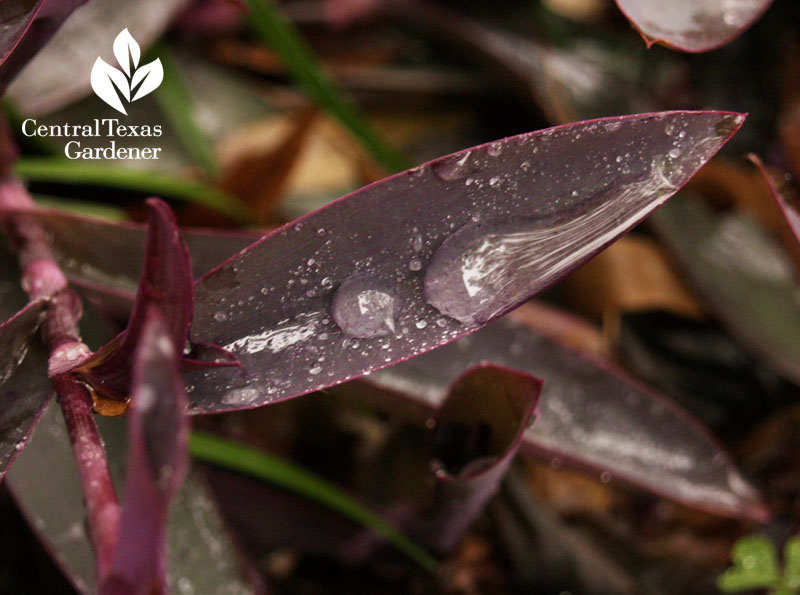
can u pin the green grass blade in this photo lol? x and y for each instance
(149, 182)
(275, 31)
(175, 100)
(262, 465)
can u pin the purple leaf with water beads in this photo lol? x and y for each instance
(692, 25)
(157, 458)
(166, 283)
(420, 258)
(478, 430)
(591, 415)
(26, 27)
(743, 273)
(25, 387)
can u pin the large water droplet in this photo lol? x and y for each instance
(452, 168)
(365, 307)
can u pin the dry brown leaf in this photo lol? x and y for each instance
(633, 274)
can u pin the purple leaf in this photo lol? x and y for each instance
(743, 273)
(591, 415)
(435, 252)
(157, 456)
(780, 193)
(113, 272)
(692, 25)
(48, 84)
(201, 554)
(25, 388)
(479, 429)
(166, 283)
(26, 26)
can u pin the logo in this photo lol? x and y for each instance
(133, 81)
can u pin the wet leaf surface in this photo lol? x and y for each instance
(742, 272)
(201, 554)
(25, 387)
(692, 25)
(434, 253)
(591, 415)
(157, 460)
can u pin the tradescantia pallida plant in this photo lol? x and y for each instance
(390, 272)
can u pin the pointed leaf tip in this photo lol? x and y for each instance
(167, 284)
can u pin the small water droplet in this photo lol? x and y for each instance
(416, 172)
(220, 316)
(674, 152)
(415, 264)
(525, 165)
(365, 307)
(321, 231)
(326, 282)
(494, 181)
(619, 159)
(669, 128)
(416, 241)
(420, 324)
(315, 370)
(452, 168)
(311, 262)
(495, 149)
(605, 477)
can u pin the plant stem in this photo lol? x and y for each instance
(43, 279)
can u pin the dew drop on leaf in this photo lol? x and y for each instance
(452, 168)
(365, 307)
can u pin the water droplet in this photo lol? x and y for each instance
(674, 152)
(311, 262)
(669, 128)
(365, 307)
(525, 165)
(494, 181)
(321, 231)
(619, 159)
(315, 370)
(420, 324)
(415, 264)
(605, 477)
(326, 282)
(452, 168)
(416, 172)
(220, 316)
(475, 273)
(19, 445)
(416, 241)
(495, 149)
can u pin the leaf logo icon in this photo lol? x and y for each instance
(133, 82)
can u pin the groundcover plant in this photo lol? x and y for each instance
(176, 333)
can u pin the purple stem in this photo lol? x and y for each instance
(43, 279)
